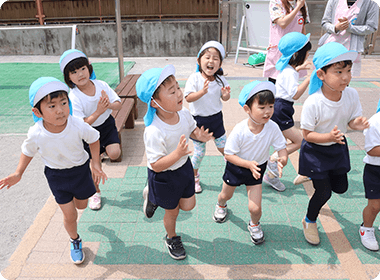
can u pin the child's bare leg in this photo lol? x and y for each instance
(113, 151)
(254, 202)
(70, 216)
(226, 194)
(370, 212)
(187, 204)
(294, 135)
(170, 220)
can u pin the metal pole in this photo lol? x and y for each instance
(119, 40)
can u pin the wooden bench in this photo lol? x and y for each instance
(125, 117)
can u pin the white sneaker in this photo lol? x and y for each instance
(220, 214)
(95, 201)
(257, 234)
(368, 238)
(272, 168)
(198, 188)
(274, 182)
(300, 179)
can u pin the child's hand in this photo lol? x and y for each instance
(205, 87)
(103, 103)
(98, 174)
(182, 148)
(304, 66)
(253, 166)
(226, 92)
(336, 136)
(300, 3)
(360, 123)
(280, 166)
(9, 181)
(204, 135)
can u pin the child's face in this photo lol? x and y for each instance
(210, 62)
(54, 112)
(261, 114)
(170, 96)
(337, 77)
(80, 77)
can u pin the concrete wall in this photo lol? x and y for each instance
(141, 39)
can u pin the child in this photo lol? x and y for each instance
(170, 173)
(371, 181)
(348, 22)
(295, 48)
(57, 137)
(204, 91)
(247, 153)
(93, 100)
(324, 155)
(285, 16)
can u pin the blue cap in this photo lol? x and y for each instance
(328, 54)
(289, 44)
(254, 87)
(42, 87)
(147, 84)
(378, 107)
(69, 56)
(212, 44)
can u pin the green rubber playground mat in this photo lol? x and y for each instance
(16, 78)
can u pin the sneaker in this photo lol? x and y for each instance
(77, 254)
(198, 188)
(368, 238)
(274, 182)
(220, 214)
(272, 168)
(95, 201)
(175, 247)
(257, 234)
(148, 207)
(300, 179)
(310, 231)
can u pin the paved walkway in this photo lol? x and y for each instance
(120, 243)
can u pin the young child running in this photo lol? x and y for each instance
(205, 90)
(93, 100)
(57, 137)
(247, 153)
(371, 181)
(324, 155)
(295, 48)
(170, 173)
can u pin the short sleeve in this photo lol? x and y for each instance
(232, 144)
(276, 10)
(308, 115)
(112, 95)
(77, 106)
(357, 107)
(154, 144)
(372, 137)
(90, 135)
(30, 147)
(191, 85)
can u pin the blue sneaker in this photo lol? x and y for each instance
(77, 254)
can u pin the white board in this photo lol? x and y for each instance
(258, 23)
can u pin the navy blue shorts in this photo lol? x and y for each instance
(214, 123)
(168, 187)
(65, 184)
(371, 181)
(317, 161)
(235, 175)
(108, 135)
(283, 113)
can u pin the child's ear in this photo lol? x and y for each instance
(37, 112)
(321, 74)
(153, 104)
(246, 109)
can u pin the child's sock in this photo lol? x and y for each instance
(252, 224)
(308, 221)
(221, 205)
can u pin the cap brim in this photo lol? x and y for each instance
(350, 55)
(168, 70)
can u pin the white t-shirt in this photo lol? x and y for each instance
(84, 105)
(320, 114)
(210, 103)
(287, 83)
(246, 145)
(60, 150)
(161, 138)
(372, 139)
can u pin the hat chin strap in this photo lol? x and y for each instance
(166, 111)
(255, 122)
(328, 86)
